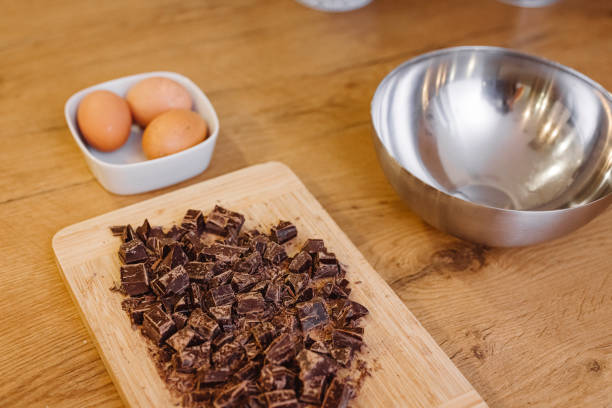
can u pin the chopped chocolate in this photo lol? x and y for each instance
(238, 323)
(259, 243)
(312, 314)
(174, 282)
(251, 302)
(203, 324)
(134, 279)
(283, 232)
(143, 231)
(118, 230)
(282, 349)
(223, 314)
(281, 399)
(194, 221)
(157, 325)
(300, 263)
(133, 251)
(276, 377)
(221, 295)
(200, 272)
(338, 395)
(183, 338)
(275, 253)
(312, 246)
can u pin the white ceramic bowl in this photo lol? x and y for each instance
(126, 170)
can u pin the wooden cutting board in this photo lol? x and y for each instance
(408, 367)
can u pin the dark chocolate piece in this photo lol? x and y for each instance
(241, 282)
(220, 375)
(282, 349)
(134, 279)
(206, 326)
(345, 338)
(249, 371)
(194, 221)
(230, 355)
(180, 320)
(232, 396)
(128, 234)
(133, 251)
(200, 272)
(342, 355)
(263, 334)
(195, 295)
(312, 314)
(300, 263)
(221, 279)
(183, 338)
(275, 253)
(118, 230)
(281, 399)
(297, 281)
(338, 395)
(314, 365)
(283, 232)
(224, 222)
(175, 257)
(221, 295)
(143, 231)
(312, 246)
(259, 244)
(221, 253)
(276, 377)
(174, 282)
(223, 314)
(249, 264)
(157, 325)
(273, 292)
(312, 390)
(193, 358)
(251, 302)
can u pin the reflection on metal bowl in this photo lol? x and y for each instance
(495, 146)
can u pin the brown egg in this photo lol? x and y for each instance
(154, 96)
(173, 131)
(105, 120)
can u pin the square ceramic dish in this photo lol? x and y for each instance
(126, 170)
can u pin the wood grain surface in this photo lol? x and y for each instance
(527, 327)
(408, 367)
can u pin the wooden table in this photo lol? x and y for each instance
(527, 327)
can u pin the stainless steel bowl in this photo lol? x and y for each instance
(495, 146)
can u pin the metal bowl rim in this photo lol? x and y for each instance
(486, 48)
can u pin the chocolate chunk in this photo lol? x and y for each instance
(221, 252)
(182, 305)
(175, 257)
(259, 243)
(276, 377)
(338, 395)
(194, 221)
(263, 334)
(192, 358)
(285, 322)
(221, 295)
(232, 396)
(300, 263)
(230, 355)
(223, 338)
(214, 376)
(221, 279)
(175, 233)
(251, 302)
(314, 365)
(312, 390)
(282, 349)
(344, 338)
(312, 314)
(133, 251)
(134, 279)
(252, 351)
(157, 325)
(136, 307)
(224, 222)
(297, 281)
(200, 272)
(196, 295)
(156, 232)
(183, 338)
(223, 314)
(244, 281)
(319, 347)
(249, 264)
(283, 232)
(203, 324)
(274, 292)
(275, 253)
(174, 282)
(312, 246)
(143, 231)
(342, 355)
(191, 245)
(326, 258)
(249, 371)
(128, 234)
(180, 320)
(118, 230)
(281, 399)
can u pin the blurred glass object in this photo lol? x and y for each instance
(334, 5)
(529, 3)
